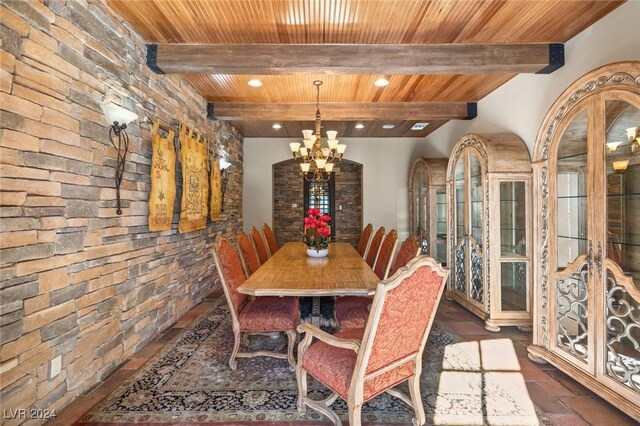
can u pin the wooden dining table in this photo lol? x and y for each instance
(290, 272)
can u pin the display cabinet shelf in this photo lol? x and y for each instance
(427, 206)
(587, 234)
(489, 184)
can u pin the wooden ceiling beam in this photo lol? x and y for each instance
(280, 59)
(342, 111)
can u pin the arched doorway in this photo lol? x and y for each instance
(289, 201)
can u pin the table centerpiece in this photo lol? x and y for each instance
(317, 233)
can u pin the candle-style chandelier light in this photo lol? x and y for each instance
(317, 161)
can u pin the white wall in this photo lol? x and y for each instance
(519, 106)
(386, 163)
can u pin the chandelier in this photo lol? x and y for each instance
(317, 161)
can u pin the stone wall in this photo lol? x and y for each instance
(79, 283)
(288, 189)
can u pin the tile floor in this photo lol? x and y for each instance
(563, 401)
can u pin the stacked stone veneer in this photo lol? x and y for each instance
(288, 189)
(77, 280)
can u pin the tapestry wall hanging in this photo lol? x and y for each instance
(195, 182)
(216, 189)
(163, 180)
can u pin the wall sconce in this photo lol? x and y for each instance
(118, 118)
(224, 167)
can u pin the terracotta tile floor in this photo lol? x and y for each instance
(563, 401)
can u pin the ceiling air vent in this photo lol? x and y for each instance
(419, 126)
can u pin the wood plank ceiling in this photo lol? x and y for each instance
(338, 22)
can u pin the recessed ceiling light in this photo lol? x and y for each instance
(388, 126)
(419, 126)
(277, 126)
(254, 83)
(359, 126)
(381, 82)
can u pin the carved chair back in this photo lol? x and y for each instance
(372, 253)
(231, 274)
(270, 237)
(397, 329)
(259, 244)
(387, 249)
(247, 252)
(409, 249)
(364, 240)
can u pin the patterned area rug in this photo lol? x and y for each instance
(190, 381)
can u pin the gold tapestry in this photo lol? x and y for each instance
(163, 180)
(195, 185)
(216, 189)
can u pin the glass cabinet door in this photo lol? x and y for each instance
(460, 253)
(572, 264)
(622, 244)
(514, 261)
(441, 227)
(476, 196)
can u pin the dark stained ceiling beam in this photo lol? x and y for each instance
(342, 111)
(277, 59)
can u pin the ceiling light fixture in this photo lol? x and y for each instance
(381, 82)
(317, 161)
(388, 126)
(359, 126)
(254, 82)
(277, 126)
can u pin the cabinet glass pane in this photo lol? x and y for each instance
(460, 213)
(475, 180)
(513, 215)
(415, 220)
(513, 281)
(623, 186)
(424, 210)
(571, 186)
(441, 227)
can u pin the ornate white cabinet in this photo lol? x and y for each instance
(489, 235)
(587, 239)
(428, 206)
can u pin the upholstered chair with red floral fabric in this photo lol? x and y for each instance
(374, 247)
(409, 249)
(365, 237)
(270, 238)
(248, 253)
(353, 311)
(262, 315)
(258, 242)
(358, 365)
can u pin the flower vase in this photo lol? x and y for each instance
(311, 252)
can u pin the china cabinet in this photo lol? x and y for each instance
(428, 206)
(488, 192)
(587, 239)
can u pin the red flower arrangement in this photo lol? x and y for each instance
(317, 231)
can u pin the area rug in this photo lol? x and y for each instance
(189, 381)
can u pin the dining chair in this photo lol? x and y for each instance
(365, 237)
(374, 246)
(258, 243)
(409, 249)
(353, 311)
(261, 315)
(359, 364)
(270, 238)
(248, 254)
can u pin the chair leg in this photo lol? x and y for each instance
(355, 415)
(301, 378)
(292, 337)
(233, 364)
(416, 399)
